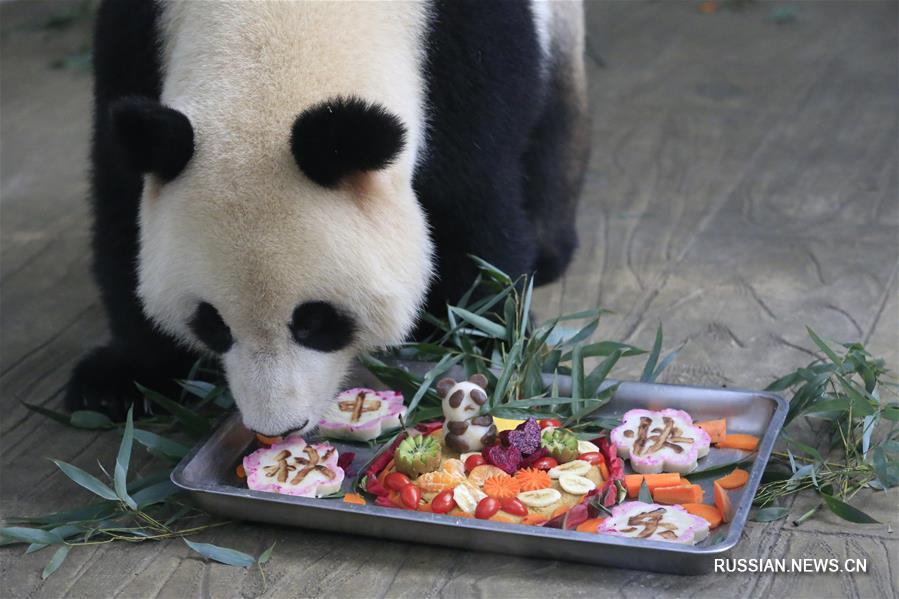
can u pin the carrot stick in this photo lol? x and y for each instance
(722, 502)
(633, 481)
(354, 498)
(704, 510)
(241, 473)
(717, 429)
(603, 471)
(590, 525)
(677, 494)
(735, 479)
(739, 441)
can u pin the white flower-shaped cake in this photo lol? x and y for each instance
(663, 441)
(293, 467)
(362, 414)
(654, 522)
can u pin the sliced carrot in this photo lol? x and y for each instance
(590, 525)
(268, 441)
(704, 510)
(633, 481)
(533, 520)
(677, 494)
(241, 473)
(739, 441)
(354, 498)
(531, 479)
(722, 502)
(425, 507)
(560, 511)
(604, 470)
(717, 429)
(502, 487)
(734, 480)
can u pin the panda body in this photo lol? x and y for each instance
(284, 184)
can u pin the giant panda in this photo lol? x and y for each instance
(285, 184)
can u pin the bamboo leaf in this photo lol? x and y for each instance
(155, 493)
(502, 382)
(123, 461)
(160, 444)
(86, 480)
(599, 374)
(645, 496)
(192, 422)
(824, 347)
(55, 562)
(495, 330)
(51, 414)
(266, 555)
(445, 363)
(223, 555)
(90, 420)
(21, 534)
(846, 511)
(652, 360)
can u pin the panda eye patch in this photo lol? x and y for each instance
(321, 326)
(209, 327)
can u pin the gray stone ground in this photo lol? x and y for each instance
(743, 184)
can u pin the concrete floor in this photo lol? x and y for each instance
(743, 184)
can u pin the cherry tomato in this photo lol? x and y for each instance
(411, 496)
(474, 461)
(396, 481)
(594, 457)
(546, 463)
(443, 502)
(549, 422)
(513, 506)
(486, 508)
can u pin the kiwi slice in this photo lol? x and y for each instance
(417, 455)
(560, 443)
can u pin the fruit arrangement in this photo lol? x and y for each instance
(528, 472)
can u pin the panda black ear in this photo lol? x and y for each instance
(155, 139)
(344, 136)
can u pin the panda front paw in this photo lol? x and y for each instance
(104, 381)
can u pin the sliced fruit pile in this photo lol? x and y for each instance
(530, 475)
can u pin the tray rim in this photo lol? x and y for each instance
(741, 515)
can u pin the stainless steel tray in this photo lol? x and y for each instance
(208, 473)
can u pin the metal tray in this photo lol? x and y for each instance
(208, 473)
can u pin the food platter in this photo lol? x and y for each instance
(208, 473)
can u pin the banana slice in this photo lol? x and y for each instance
(579, 467)
(586, 447)
(467, 497)
(539, 498)
(576, 485)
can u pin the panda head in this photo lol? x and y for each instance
(283, 244)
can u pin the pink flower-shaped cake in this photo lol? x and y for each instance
(293, 467)
(362, 414)
(663, 441)
(654, 522)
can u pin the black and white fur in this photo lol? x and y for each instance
(285, 184)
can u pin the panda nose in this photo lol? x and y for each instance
(321, 326)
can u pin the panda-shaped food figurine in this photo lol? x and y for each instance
(464, 428)
(280, 186)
